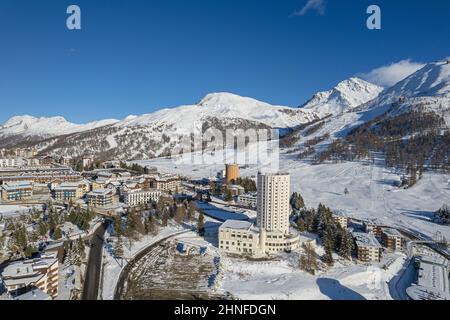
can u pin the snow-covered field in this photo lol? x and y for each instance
(282, 279)
(13, 210)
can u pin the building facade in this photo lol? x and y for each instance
(8, 163)
(100, 198)
(22, 191)
(248, 200)
(273, 202)
(231, 173)
(272, 235)
(340, 219)
(68, 192)
(139, 197)
(392, 239)
(368, 249)
(42, 273)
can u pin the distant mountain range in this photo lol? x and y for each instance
(333, 113)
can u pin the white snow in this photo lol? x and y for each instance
(282, 279)
(222, 106)
(29, 126)
(13, 210)
(345, 96)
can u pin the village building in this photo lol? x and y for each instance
(392, 239)
(100, 198)
(139, 197)
(21, 191)
(42, 273)
(368, 249)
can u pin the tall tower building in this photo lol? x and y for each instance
(232, 173)
(273, 202)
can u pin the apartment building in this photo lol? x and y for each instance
(272, 234)
(392, 239)
(248, 200)
(66, 192)
(100, 198)
(169, 183)
(273, 202)
(21, 276)
(341, 219)
(138, 196)
(39, 175)
(368, 249)
(372, 227)
(22, 191)
(235, 190)
(238, 237)
(8, 162)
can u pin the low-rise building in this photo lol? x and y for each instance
(248, 199)
(392, 239)
(368, 248)
(138, 196)
(372, 227)
(8, 163)
(242, 237)
(68, 192)
(21, 191)
(239, 237)
(236, 190)
(341, 219)
(431, 279)
(167, 182)
(21, 276)
(100, 198)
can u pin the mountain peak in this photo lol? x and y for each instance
(226, 99)
(346, 95)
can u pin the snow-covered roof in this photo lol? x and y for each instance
(366, 240)
(27, 271)
(432, 279)
(35, 294)
(237, 225)
(100, 192)
(392, 232)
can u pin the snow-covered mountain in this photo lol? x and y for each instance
(331, 114)
(224, 106)
(345, 96)
(155, 134)
(28, 126)
(425, 91)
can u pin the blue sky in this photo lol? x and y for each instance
(136, 56)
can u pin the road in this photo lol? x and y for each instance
(93, 271)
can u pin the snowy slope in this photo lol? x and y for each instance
(155, 134)
(426, 90)
(46, 127)
(433, 80)
(345, 96)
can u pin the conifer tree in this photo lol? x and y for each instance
(201, 224)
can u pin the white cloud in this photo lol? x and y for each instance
(389, 75)
(317, 5)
